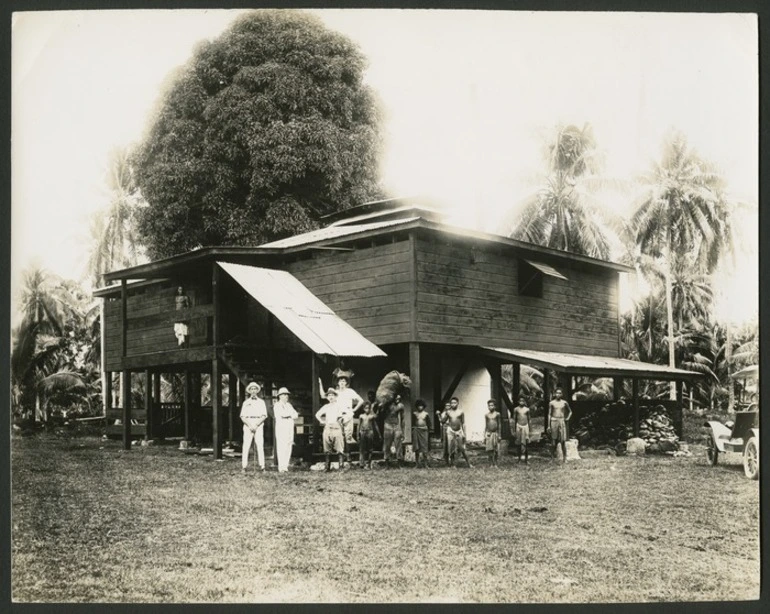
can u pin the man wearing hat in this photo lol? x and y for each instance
(350, 403)
(253, 416)
(284, 414)
(330, 416)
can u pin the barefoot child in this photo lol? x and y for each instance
(330, 416)
(367, 427)
(492, 431)
(521, 436)
(420, 433)
(455, 432)
(559, 413)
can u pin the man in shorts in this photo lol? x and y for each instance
(559, 413)
(492, 431)
(521, 435)
(421, 433)
(367, 428)
(455, 432)
(330, 416)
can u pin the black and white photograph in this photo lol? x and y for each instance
(384, 306)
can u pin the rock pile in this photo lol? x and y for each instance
(614, 423)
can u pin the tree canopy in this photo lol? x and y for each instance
(264, 130)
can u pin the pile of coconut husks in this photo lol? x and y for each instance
(613, 424)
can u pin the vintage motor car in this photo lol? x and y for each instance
(741, 435)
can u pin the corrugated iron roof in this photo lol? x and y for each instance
(303, 313)
(544, 268)
(334, 232)
(598, 365)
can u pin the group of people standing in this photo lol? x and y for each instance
(254, 415)
(344, 404)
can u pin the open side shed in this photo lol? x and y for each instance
(567, 366)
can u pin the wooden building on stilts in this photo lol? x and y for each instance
(383, 286)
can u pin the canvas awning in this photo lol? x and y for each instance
(303, 313)
(584, 364)
(545, 269)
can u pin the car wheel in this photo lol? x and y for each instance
(712, 453)
(751, 459)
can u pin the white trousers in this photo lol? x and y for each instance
(284, 440)
(259, 439)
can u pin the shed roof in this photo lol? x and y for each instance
(303, 313)
(583, 364)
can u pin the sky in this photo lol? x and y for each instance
(469, 97)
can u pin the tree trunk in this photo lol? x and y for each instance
(670, 315)
(728, 362)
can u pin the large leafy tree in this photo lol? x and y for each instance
(564, 213)
(681, 211)
(266, 128)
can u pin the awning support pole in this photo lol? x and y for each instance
(148, 413)
(125, 392)
(216, 403)
(232, 383)
(315, 372)
(437, 404)
(516, 383)
(414, 375)
(635, 399)
(617, 388)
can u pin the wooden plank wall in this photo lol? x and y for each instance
(368, 288)
(469, 295)
(151, 311)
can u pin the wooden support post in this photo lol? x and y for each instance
(437, 401)
(187, 403)
(516, 383)
(157, 430)
(547, 396)
(215, 307)
(496, 391)
(148, 413)
(635, 400)
(617, 388)
(216, 403)
(107, 401)
(125, 395)
(268, 392)
(414, 375)
(679, 412)
(123, 317)
(315, 401)
(232, 382)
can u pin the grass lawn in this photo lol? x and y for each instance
(92, 523)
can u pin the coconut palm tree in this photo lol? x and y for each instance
(563, 213)
(681, 210)
(115, 240)
(48, 340)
